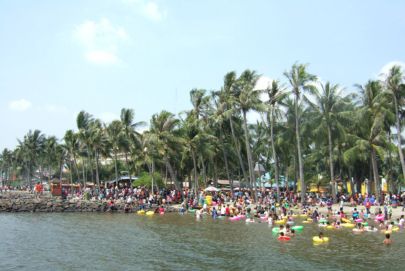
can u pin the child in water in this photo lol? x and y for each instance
(320, 235)
(387, 240)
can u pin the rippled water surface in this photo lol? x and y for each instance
(175, 242)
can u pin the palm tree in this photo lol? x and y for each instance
(131, 135)
(276, 95)
(248, 98)
(84, 121)
(117, 139)
(371, 135)
(72, 145)
(300, 80)
(218, 119)
(329, 113)
(229, 102)
(396, 88)
(97, 142)
(163, 134)
(6, 164)
(31, 147)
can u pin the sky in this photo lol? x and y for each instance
(60, 57)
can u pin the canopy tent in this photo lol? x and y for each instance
(211, 189)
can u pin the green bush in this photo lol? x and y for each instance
(145, 179)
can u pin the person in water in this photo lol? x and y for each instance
(320, 235)
(387, 240)
(214, 213)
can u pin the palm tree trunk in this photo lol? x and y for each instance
(75, 165)
(204, 172)
(84, 172)
(375, 174)
(399, 143)
(153, 175)
(286, 178)
(249, 155)
(238, 150)
(332, 175)
(227, 167)
(129, 171)
(273, 149)
(71, 176)
(172, 173)
(97, 176)
(298, 137)
(116, 167)
(195, 172)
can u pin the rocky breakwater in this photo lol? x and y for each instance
(26, 202)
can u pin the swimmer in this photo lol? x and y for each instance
(320, 235)
(387, 240)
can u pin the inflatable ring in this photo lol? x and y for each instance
(276, 230)
(316, 239)
(297, 228)
(345, 220)
(284, 238)
(330, 227)
(149, 213)
(279, 222)
(347, 225)
(141, 212)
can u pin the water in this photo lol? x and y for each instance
(174, 242)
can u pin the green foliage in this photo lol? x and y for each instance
(145, 179)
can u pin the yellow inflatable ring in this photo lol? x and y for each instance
(347, 225)
(316, 239)
(150, 213)
(141, 212)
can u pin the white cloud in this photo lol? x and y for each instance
(385, 69)
(263, 82)
(148, 9)
(100, 40)
(20, 105)
(108, 117)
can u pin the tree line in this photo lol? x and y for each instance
(308, 131)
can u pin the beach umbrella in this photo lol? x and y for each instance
(211, 189)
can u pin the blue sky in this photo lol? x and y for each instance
(60, 57)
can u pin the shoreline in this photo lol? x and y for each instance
(22, 202)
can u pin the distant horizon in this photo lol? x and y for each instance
(101, 56)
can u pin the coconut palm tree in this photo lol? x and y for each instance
(396, 88)
(83, 122)
(370, 137)
(30, 150)
(328, 115)
(6, 158)
(163, 134)
(131, 135)
(117, 140)
(300, 80)
(97, 142)
(228, 99)
(275, 95)
(247, 99)
(72, 145)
